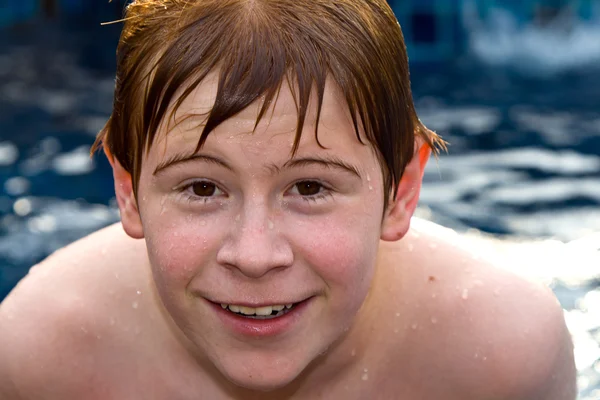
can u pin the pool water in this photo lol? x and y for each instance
(524, 163)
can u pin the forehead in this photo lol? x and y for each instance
(336, 130)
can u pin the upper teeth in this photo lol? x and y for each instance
(267, 310)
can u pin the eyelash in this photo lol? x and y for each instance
(322, 195)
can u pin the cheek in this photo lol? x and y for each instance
(180, 247)
(342, 250)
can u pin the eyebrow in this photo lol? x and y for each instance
(332, 162)
(186, 158)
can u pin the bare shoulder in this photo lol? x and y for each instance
(61, 309)
(494, 333)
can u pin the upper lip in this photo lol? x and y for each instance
(257, 304)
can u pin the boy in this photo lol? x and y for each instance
(268, 153)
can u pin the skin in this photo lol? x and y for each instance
(113, 316)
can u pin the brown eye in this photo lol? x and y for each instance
(309, 188)
(204, 189)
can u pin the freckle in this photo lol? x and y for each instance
(431, 278)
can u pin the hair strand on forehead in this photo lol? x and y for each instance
(169, 47)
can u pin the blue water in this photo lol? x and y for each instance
(524, 159)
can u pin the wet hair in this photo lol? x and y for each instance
(167, 48)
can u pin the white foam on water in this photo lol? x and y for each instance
(48, 225)
(547, 190)
(501, 39)
(9, 154)
(77, 162)
(565, 162)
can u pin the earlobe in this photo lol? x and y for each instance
(396, 221)
(130, 215)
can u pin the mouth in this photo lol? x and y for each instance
(262, 320)
(265, 312)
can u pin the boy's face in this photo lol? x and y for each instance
(240, 223)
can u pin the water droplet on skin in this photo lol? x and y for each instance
(84, 330)
(396, 330)
(370, 187)
(103, 251)
(117, 276)
(477, 283)
(366, 370)
(433, 245)
(433, 296)
(465, 294)
(134, 305)
(497, 292)
(271, 225)
(353, 353)
(112, 321)
(203, 223)
(163, 208)
(365, 377)
(410, 247)
(434, 320)
(368, 178)
(238, 217)
(397, 314)
(414, 326)
(138, 292)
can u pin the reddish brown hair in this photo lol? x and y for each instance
(170, 46)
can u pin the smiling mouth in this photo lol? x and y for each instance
(267, 312)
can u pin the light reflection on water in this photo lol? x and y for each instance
(524, 162)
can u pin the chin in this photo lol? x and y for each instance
(261, 373)
(265, 380)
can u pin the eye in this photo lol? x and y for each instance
(203, 188)
(308, 188)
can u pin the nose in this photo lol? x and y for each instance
(254, 245)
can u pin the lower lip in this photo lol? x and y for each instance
(261, 327)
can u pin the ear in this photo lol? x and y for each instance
(130, 215)
(396, 221)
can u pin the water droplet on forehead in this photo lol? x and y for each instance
(271, 224)
(465, 294)
(203, 223)
(135, 305)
